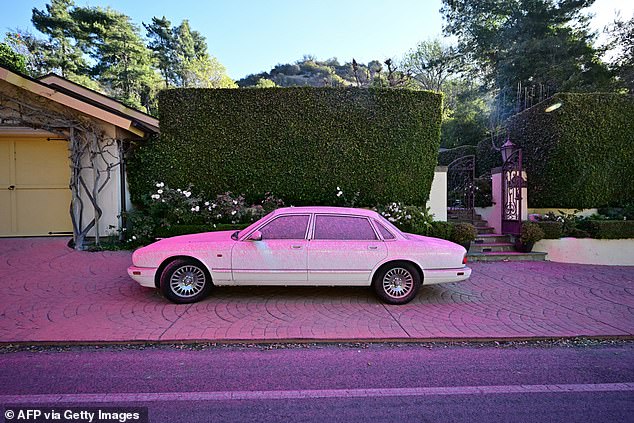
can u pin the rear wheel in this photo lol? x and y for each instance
(397, 283)
(185, 281)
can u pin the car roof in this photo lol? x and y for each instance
(325, 209)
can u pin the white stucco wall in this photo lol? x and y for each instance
(489, 214)
(616, 252)
(493, 215)
(438, 195)
(109, 199)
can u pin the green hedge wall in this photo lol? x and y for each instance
(580, 155)
(552, 230)
(299, 143)
(608, 229)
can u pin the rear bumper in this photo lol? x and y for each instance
(434, 276)
(143, 275)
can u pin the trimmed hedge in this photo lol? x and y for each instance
(487, 158)
(299, 143)
(580, 155)
(552, 230)
(608, 229)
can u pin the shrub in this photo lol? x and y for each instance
(568, 223)
(300, 143)
(626, 211)
(168, 212)
(411, 219)
(580, 155)
(608, 229)
(551, 229)
(531, 232)
(463, 233)
(442, 230)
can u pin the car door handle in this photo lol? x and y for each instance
(11, 187)
(296, 247)
(372, 247)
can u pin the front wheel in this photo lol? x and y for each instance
(397, 283)
(185, 281)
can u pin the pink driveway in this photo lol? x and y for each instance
(51, 293)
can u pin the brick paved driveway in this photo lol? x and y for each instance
(49, 292)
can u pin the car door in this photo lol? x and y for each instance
(343, 250)
(280, 258)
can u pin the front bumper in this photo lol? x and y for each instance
(143, 275)
(433, 276)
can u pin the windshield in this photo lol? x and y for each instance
(251, 227)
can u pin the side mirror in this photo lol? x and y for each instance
(256, 236)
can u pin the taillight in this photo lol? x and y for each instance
(464, 259)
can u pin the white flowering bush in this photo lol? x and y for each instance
(169, 206)
(408, 218)
(167, 210)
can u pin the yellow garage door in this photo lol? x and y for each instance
(34, 193)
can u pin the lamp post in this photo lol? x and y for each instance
(507, 150)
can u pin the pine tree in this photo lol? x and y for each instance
(61, 53)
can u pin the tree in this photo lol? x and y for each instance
(466, 113)
(193, 66)
(161, 43)
(437, 67)
(122, 62)
(431, 63)
(622, 40)
(525, 48)
(32, 48)
(11, 60)
(265, 83)
(61, 54)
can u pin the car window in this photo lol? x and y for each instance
(286, 227)
(383, 231)
(343, 228)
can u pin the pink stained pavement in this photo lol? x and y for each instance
(51, 293)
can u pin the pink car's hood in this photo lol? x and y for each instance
(152, 255)
(202, 237)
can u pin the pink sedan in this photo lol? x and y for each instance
(301, 246)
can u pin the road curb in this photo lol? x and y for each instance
(351, 341)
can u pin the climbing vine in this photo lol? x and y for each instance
(92, 160)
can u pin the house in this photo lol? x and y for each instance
(62, 157)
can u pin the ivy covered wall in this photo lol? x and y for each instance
(299, 143)
(580, 154)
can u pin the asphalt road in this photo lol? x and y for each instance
(331, 383)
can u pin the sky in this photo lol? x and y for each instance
(251, 36)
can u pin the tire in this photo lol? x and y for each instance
(185, 281)
(397, 283)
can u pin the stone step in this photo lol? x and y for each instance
(485, 230)
(492, 247)
(480, 223)
(451, 215)
(491, 238)
(506, 256)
